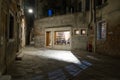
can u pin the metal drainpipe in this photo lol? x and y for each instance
(95, 25)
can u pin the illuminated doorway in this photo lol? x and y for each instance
(48, 38)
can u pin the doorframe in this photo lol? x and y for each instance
(48, 30)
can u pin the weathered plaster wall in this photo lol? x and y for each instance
(8, 47)
(70, 20)
(111, 14)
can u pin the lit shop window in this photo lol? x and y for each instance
(62, 37)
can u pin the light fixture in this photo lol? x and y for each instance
(83, 32)
(30, 10)
(76, 31)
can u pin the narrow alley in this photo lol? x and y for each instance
(46, 64)
(59, 39)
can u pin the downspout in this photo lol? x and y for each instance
(93, 20)
(89, 25)
(94, 14)
(91, 14)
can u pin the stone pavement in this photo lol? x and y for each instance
(5, 77)
(43, 64)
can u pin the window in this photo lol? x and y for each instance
(11, 26)
(62, 38)
(87, 5)
(80, 6)
(71, 9)
(101, 30)
(98, 3)
(83, 32)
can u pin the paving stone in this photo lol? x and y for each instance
(57, 75)
(40, 66)
(19, 78)
(38, 77)
(5, 77)
(37, 71)
(92, 57)
(17, 75)
(20, 73)
(35, 67)
(73, 70)
(82, 66)
(110, 78)
(20, 69)
(86, 63)
(28, 70)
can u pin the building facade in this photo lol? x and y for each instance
(65, 29)
(108, 26)
(88, 23)
(10, 35)
(103, 31)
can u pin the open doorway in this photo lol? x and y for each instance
(48, 38)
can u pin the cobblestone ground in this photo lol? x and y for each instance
(43, 64)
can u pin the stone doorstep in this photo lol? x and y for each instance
(0, 74)
(5, 77)
(19, 56)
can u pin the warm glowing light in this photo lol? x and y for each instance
(23, 23)
(67, 35)
(76, 32)
(83, 31)
(30, 10)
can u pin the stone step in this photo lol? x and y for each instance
(0, 74)
(5, 77)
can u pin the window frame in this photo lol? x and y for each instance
(9, 26)
(101, 27)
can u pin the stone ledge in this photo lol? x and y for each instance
(5, 77)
